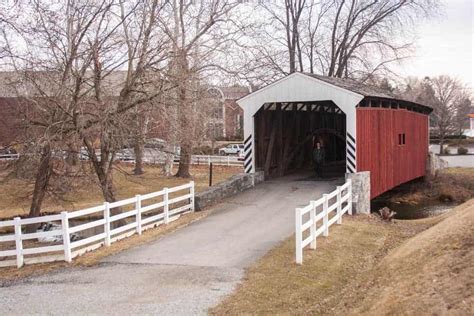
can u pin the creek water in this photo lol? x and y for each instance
(411, 211)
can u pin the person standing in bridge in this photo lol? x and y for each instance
(318, 158)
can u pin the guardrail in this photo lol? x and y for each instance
(342, 204)
(146, 212)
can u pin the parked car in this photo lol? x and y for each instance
(241, 156)
(231, 149)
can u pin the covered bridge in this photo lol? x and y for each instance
(361, 127)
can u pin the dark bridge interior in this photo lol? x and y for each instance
(285, 134)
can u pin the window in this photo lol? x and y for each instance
(401, 139)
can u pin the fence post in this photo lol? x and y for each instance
(166, 206)
(313, 225)
(349, 201)
(339, 208)
(208, 160)
(191, 200)
(107, 223)
(298, 236)
(138, 207)
(325, 218)
(18, 243)
(66, 237)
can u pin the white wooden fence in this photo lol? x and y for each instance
(147, 211)
(308, 217)
(9, 156)
(216, 160)
(195, 159)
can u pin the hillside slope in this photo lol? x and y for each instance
(431, 273)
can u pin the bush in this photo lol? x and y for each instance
(462, 150)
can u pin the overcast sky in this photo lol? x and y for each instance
(445, 44)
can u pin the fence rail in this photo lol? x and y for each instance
(217, 160)
(113, 227)
(9, 156)
(308, 217)
(195, 159)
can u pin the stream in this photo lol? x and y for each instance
(411, 211)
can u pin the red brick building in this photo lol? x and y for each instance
(228, 118)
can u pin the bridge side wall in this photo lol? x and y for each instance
(382, 151)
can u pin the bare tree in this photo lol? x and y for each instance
(338, 38)
(193, 29)
(45, 78)
(68, 74)
(142, 82)
(448, 97)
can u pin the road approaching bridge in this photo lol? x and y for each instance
(185, 272)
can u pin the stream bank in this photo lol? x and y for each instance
(424, 197)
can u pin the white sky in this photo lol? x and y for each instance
(445, 44)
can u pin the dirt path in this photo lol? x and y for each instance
(185, 272)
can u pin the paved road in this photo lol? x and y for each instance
(185, 272)
(464, 161)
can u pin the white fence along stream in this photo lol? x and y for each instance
(309, 216)
(130, 216)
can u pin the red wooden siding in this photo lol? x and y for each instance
(378, 151)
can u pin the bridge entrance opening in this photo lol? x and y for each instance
(287, 133)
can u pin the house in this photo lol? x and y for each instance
(469, 131)
(361, 127)
(228, 116)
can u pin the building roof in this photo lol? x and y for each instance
(364, 89)
(234, 92)
(355, 86)
(41, 83)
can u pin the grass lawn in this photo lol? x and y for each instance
(351, 268)
(15, 194)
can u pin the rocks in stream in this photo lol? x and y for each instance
(387, 214)
(48, 226)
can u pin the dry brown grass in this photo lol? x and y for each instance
(432, 273)
(15, 193)
(451, 185)
(365, 267)
(276, 285)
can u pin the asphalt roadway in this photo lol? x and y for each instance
(183, 273)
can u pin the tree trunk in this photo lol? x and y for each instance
(41, 184)
(72, 157)
(106, 183)
(441, 144)
(138, 149)
(169, 160)
(184, 162)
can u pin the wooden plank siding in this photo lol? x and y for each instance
(378, 149)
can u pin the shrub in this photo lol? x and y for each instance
(462, 150)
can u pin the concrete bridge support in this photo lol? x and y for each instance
(360, 191)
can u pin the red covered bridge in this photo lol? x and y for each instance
(361, 127)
